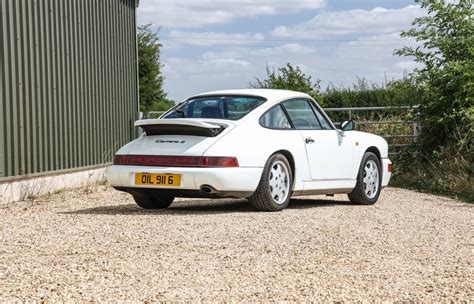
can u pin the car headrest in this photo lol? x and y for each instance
(211, 112)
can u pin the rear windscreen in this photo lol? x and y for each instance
(175, 129)
(218, 107)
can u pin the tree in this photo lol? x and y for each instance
(288, 78)
(152, 95)
(446, 53)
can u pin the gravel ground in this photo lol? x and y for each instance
(97, 245)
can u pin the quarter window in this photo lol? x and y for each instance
(301, 114)
(275, 119)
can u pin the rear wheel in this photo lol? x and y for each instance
(148, 201)
(274, 190)
(369, 181)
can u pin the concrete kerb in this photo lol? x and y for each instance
(19, 190)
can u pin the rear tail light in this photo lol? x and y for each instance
(175, 161)
(120, 159)
(219, 162)
(390, 168)
(154, 160)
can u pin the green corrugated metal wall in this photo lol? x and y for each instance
(68, 85)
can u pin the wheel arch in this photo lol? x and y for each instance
(377, 153)
(374, 150)
(291, 160)
(359, 194)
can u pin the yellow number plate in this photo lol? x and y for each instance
(150, 179)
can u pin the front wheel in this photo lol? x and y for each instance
(274, 189)
(369, 181)
(147, 201)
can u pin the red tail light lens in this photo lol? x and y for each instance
(219, 162)
(175, 161)
(120, 159)
(162, 161)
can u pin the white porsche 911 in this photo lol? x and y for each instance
(263, 145)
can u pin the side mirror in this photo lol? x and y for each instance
(348, 125)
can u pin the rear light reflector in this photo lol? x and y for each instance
(390, 168)
(175, 161)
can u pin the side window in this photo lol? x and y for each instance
(301, 114)
(322, 120)
(275, 119)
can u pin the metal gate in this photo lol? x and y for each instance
(399, 138)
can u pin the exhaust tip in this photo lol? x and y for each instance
(207, 189)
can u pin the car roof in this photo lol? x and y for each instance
(268, 94)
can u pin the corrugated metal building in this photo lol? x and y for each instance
(68, 87)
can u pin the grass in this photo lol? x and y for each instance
(449, 173)
(59, 191)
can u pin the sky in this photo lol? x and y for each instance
(224, 44)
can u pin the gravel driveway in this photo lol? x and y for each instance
(98, 245)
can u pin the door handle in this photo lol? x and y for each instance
(309, 140)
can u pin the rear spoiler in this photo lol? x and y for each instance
(179, 127)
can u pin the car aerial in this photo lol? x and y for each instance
(261, 144)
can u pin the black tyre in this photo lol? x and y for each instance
(274, 190)
(148, 201)
(369, 181)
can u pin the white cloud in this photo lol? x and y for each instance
(358, 21)
(285, 49)
(406, 65)
(225, 62)
(372, 47)
(363, 46)
(193, 14)
(185, 77)
(213, 38)
(368, 56)
(228, 69)
(339, 65)
(220, 55)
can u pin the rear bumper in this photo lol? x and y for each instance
(244, 180)
(386, 175)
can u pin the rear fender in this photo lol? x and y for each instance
(253, 145)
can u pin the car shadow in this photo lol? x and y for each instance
(204, 207)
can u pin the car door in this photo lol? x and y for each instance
(328, 152)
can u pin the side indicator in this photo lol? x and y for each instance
(390, 168)
(357, 143)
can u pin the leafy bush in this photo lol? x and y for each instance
(364, 94)
(288, 78)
